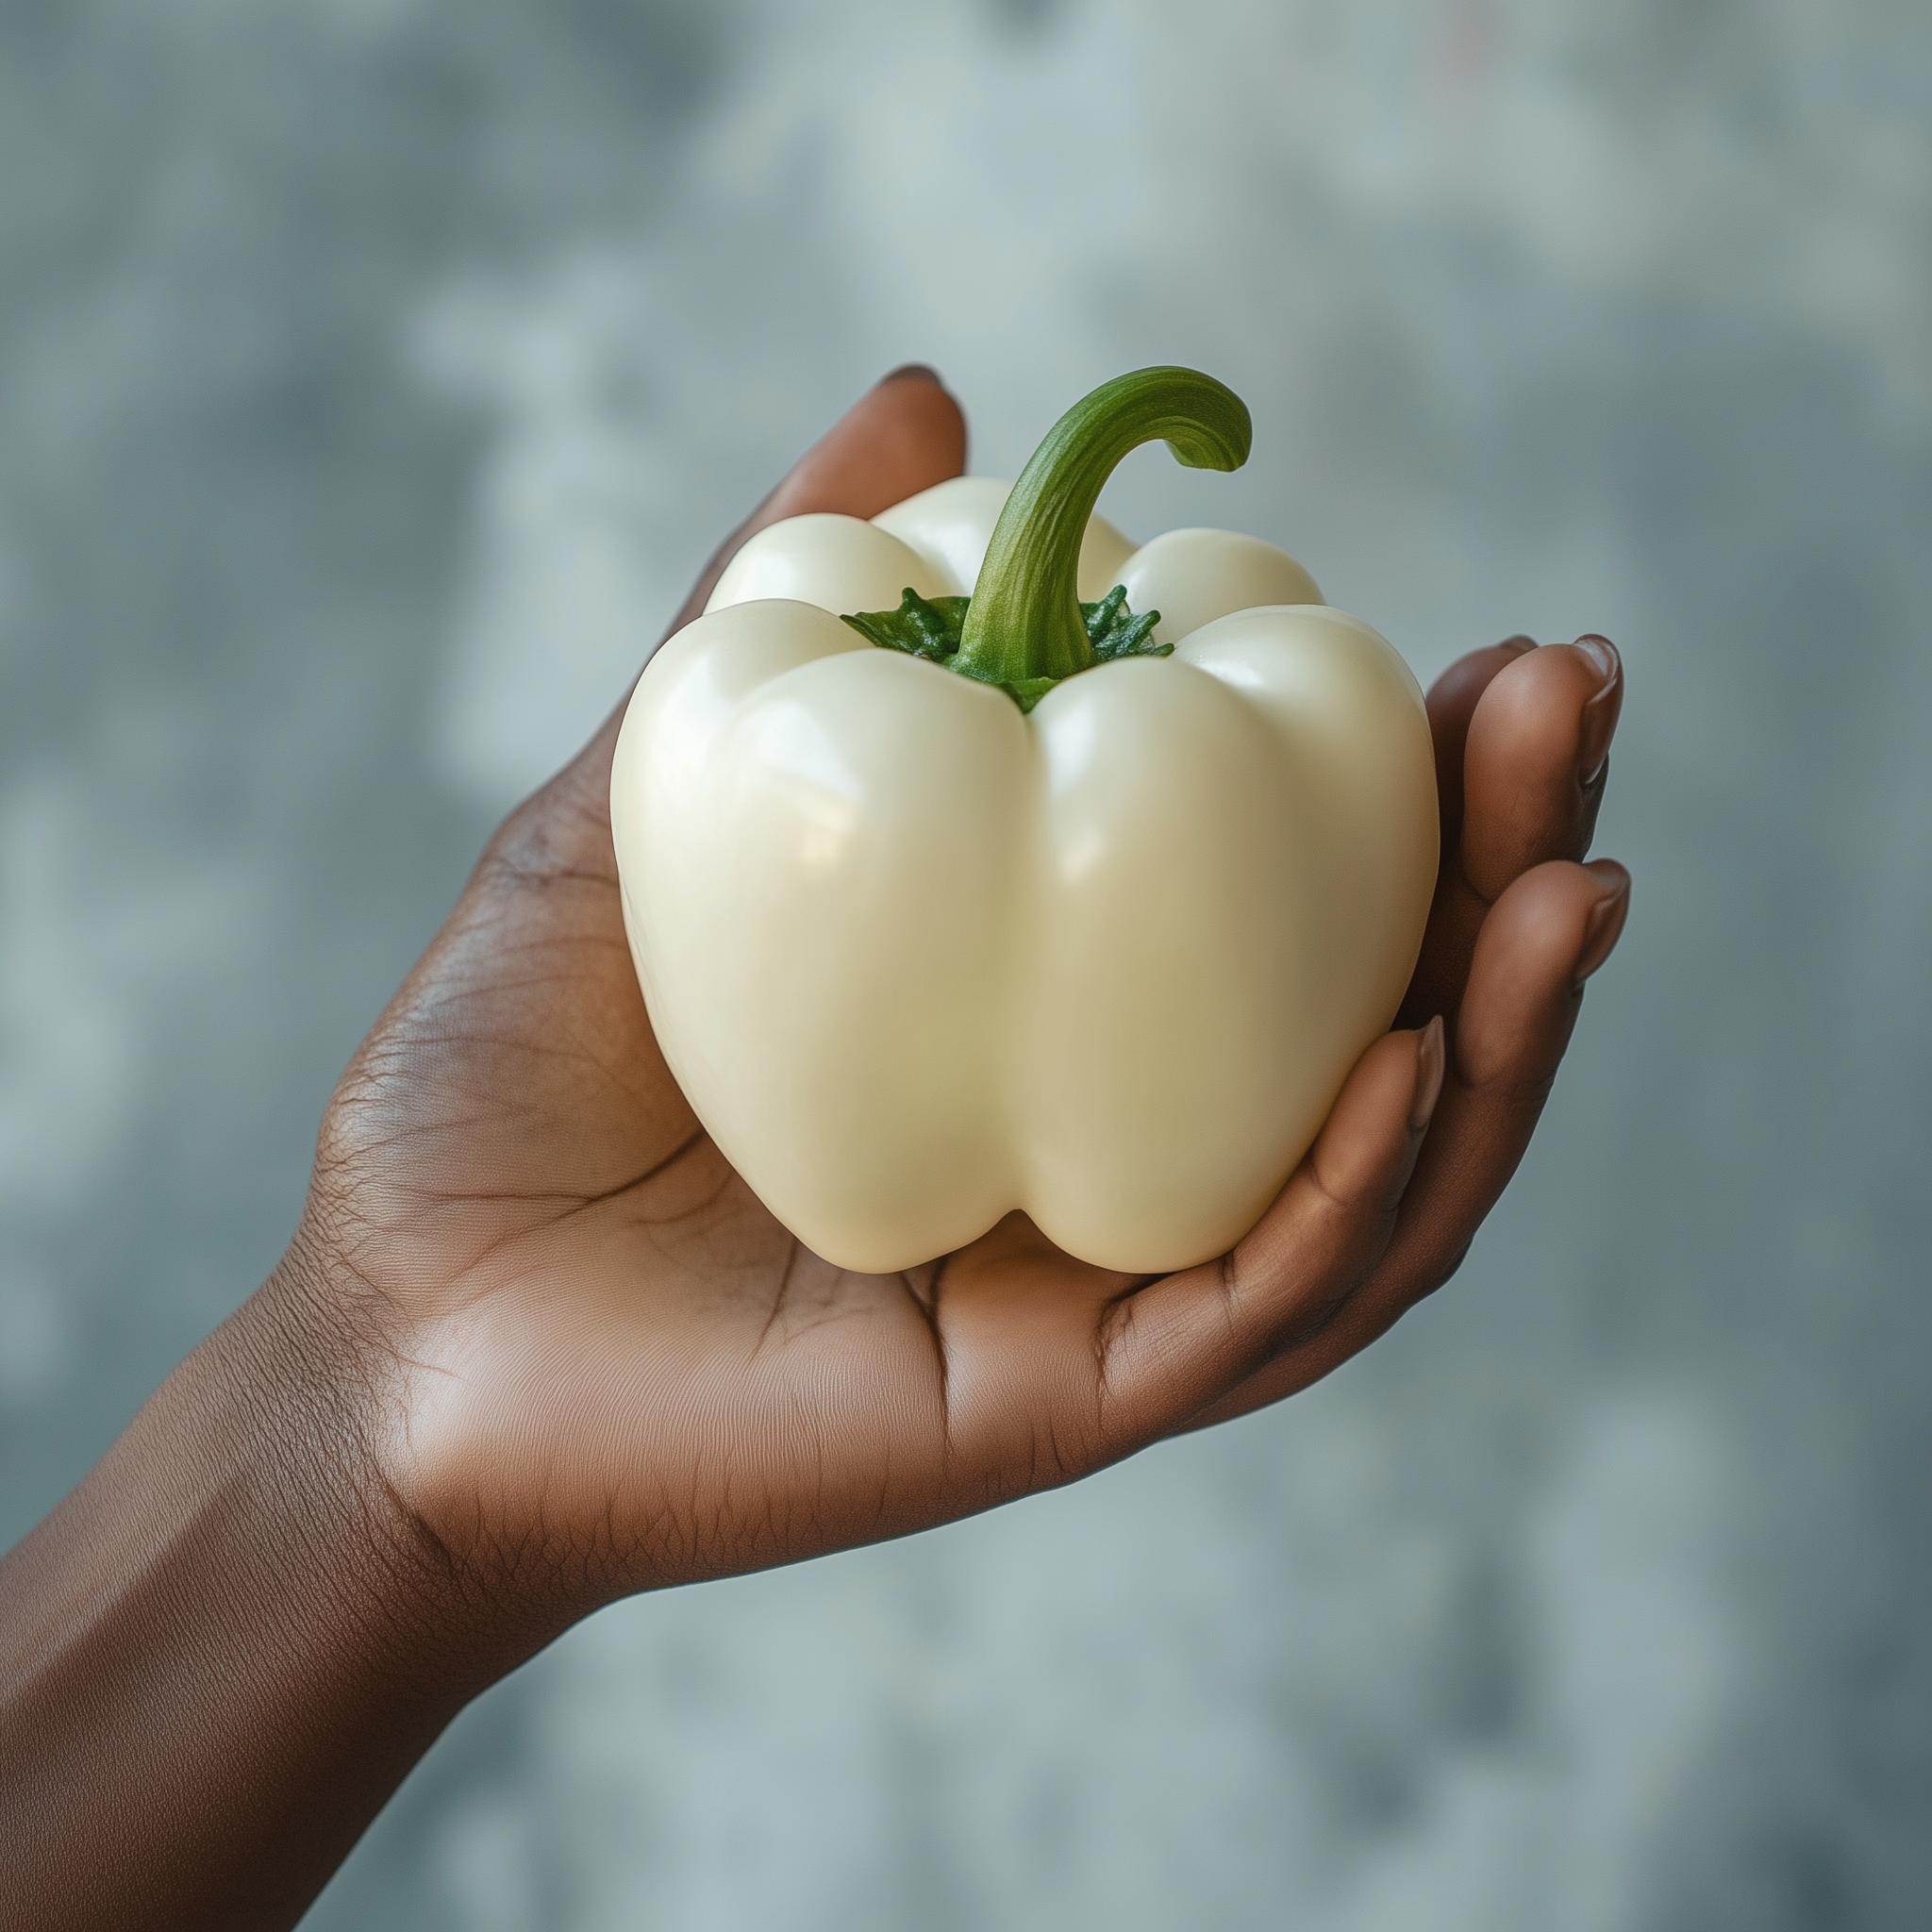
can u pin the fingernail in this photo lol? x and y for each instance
(922, 371)
(1602, 928)
(1430, 1060)
(1600, 713)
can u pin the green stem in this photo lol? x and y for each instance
(1024, 623)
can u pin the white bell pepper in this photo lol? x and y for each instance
(1029, 908)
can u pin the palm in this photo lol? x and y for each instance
(609, 1360)
(533, 1203)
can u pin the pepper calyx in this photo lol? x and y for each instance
(930, 627)
(922, 626)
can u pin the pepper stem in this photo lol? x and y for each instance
(1024, 623)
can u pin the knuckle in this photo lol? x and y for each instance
(1444, 1270)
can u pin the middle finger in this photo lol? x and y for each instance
(1521, 786)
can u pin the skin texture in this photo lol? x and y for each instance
(535, 1346)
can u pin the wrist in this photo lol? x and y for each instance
(226, 1647)
(342, 1370)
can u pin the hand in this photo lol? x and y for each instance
(536, 1345)
(596, 1363)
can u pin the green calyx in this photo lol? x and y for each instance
(929, 628)
(1024, 629)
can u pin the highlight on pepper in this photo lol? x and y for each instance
(976, 858)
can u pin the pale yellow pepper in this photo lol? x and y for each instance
(919, 957)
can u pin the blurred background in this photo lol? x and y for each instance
(375, 376)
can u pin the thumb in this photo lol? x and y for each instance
(903, 436)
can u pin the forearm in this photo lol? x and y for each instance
(224, 1649)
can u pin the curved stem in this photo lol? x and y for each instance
(1024, 623)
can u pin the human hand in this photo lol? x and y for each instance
(536, 1345)
(588, 1361)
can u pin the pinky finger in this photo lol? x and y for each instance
(1543, 938)
(1185, 1341)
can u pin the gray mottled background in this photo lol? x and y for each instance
(373, 375)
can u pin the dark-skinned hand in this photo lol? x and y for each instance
(536, 1345)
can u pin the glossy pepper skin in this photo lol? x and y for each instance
(919, 957)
